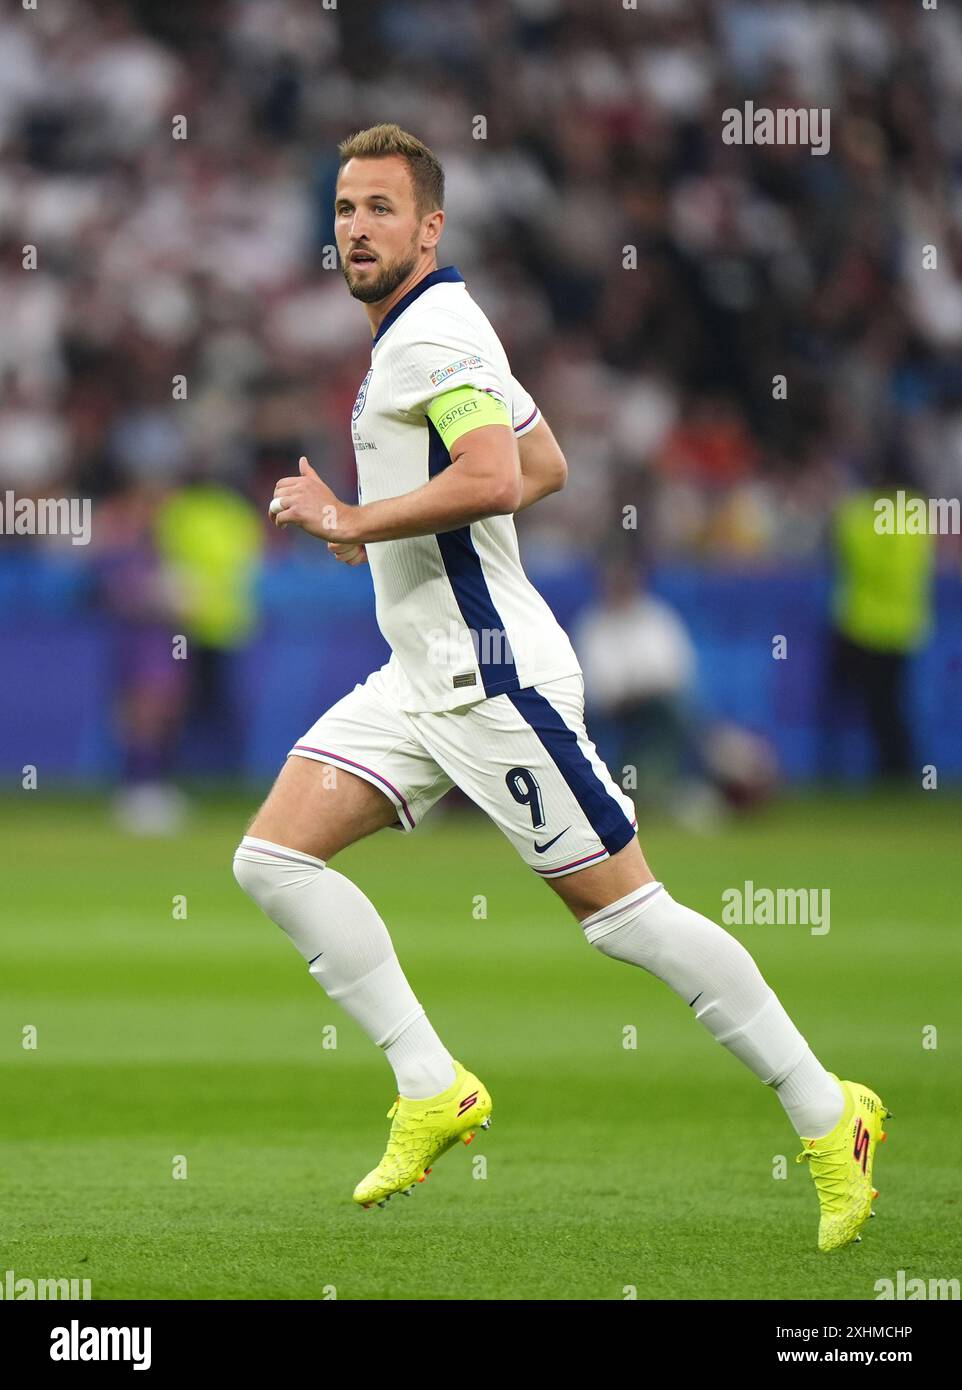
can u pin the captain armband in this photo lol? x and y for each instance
(466, 408)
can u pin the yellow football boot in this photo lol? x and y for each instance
(422, 1131)
(841, 1165)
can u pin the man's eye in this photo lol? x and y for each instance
(379, 207)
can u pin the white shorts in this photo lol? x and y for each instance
(523, 756)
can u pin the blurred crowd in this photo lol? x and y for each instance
(734, 343)
(207, 260)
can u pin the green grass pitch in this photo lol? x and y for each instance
(605, 1168)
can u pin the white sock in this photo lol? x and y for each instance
(349, 952)
(716, 976)
(421, 1062)
(813, 1101)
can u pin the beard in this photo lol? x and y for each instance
(382, 284)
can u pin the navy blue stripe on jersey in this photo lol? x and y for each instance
(604, 814)
(445, 275)
(462, 565)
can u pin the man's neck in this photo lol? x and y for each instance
(378, 311)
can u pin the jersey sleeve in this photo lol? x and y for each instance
(444, 356)
(464, 408)
(525, 414)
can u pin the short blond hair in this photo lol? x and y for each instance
(427, 176)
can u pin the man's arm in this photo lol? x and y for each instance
(485, 481)
(543, 470)
(543, 466)
(482, 479)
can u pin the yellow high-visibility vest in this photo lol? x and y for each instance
(211, 538)
(883, 591)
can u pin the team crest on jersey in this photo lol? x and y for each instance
(453, 368)
(361, 395)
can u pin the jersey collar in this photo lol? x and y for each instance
(446, 274)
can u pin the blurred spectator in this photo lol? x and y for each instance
(720, 335)
(150, 687)
(210, 540)
(639, 667)
(881, 616)
(175, 572)
(651, 334)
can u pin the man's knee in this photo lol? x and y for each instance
(633, 914)
(266, 870)
(586, 892)
(248, 872)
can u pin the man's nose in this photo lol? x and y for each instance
(359, 224)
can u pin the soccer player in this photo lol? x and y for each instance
(482, 690)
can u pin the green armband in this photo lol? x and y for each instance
(463, 409)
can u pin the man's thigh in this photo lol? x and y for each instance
(320, 809)
(525, 758)
(358, 769)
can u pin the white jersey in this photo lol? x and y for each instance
(458, 611)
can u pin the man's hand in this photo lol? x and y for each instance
(308, 502)
(348, 554)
